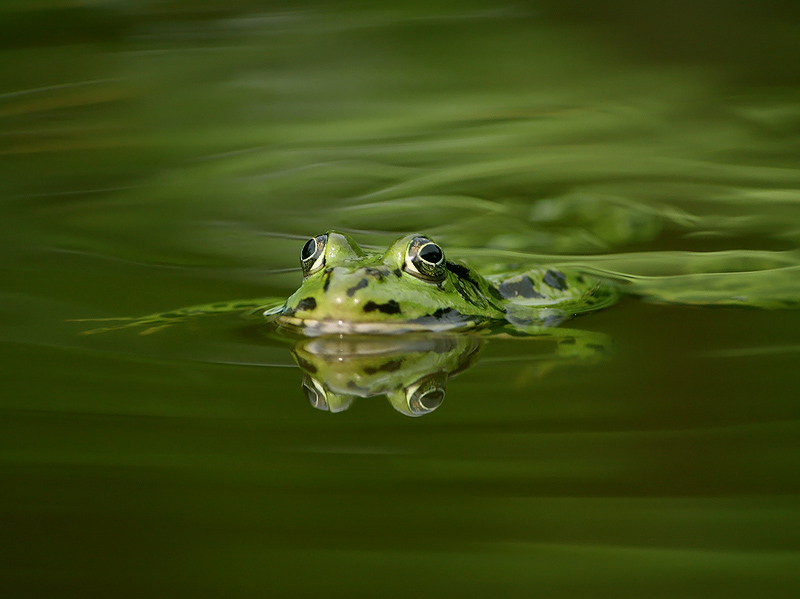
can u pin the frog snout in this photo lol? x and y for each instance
(344, 287)
(362, 290)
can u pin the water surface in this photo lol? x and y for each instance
(170, 155)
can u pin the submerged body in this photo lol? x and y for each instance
(412, 286)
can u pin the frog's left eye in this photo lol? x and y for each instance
(425, 260)
(312, 257)
(315, 393)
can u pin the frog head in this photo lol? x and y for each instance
(410, 287)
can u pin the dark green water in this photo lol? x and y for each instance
(167, 154)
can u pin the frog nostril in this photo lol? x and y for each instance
(377, 273)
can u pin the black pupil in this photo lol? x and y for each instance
(308, 249)
(432, 399)
(430, 252)
(312, 395)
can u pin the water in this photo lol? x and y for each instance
(162, 156)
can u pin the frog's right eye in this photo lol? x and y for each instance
(315, 393)
(312, 257)
(425, 260)
(425, 396)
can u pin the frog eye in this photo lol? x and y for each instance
(312, 256)
(425, 260)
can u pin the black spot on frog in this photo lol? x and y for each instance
(307, 303)
(360, 285)
(555, 279)
(519, 287)
(390, 307)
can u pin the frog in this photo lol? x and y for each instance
(411, 287)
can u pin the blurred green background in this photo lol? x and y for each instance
(155, 154)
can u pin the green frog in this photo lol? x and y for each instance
(414, 287)
(411, 287)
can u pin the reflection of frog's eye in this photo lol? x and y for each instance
(315, 393)
(425, 260)
(426, 395)
(312, 257)
(422, 403)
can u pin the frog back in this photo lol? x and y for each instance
(561, 292)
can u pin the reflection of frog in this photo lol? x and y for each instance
(410, 287)
(412, 370)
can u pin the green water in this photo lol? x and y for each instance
(161, 154)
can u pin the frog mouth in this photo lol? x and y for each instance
(315, 327)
